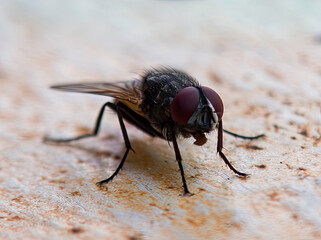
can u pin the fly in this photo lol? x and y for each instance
(164, 103)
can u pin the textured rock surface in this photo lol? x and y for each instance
(264, 60)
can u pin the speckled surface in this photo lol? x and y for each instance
(262, 58)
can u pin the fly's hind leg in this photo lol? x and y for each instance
(93, 134)
(117, 108)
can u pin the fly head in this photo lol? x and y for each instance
(197, 110)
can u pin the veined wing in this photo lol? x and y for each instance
(127, 91)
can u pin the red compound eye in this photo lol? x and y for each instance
(215, 100)
(184, 105)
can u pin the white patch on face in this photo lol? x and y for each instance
(214, 114)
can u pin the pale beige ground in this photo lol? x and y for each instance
(263, 58)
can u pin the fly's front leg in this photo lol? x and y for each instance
(179, 161)
(95, 131)
(244, 137)
(117, 108)
(220, 147)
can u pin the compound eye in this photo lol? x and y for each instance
(184, 105)
(215, 100)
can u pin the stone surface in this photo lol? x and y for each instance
(263, 58)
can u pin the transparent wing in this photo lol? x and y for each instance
(128, 91)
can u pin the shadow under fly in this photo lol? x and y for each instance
(164, 103)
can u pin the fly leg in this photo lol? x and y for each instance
(244, 137)
(220, 147)
(179, 161)
(117, 108)
(95, 131)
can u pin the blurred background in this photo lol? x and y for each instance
(262, 57)
(249, 46)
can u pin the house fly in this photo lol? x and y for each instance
(164, 103)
